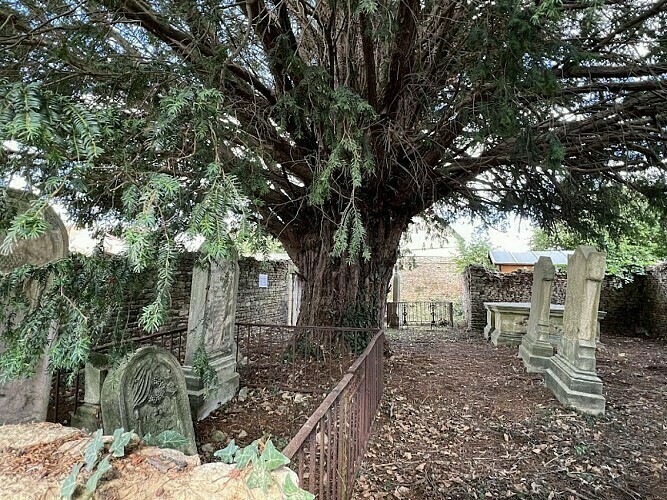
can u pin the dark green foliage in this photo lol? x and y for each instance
(330, 127)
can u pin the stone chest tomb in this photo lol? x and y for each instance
(147, 394)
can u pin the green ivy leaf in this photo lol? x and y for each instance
(169, 439)
(292, 491)
(227, 453)
(272, 458)
(245, 455)
(102, 468)
(69, 484)
(120, 441)
(92, 452)
(260, 477)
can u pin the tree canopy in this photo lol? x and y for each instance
(641, 242)
(331, 124)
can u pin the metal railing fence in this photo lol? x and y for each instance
(328, 450)
(297, 358)
(66, 395)
(408, 314)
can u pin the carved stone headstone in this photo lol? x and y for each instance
(27, 400)
(211, 323)
(535, 349)
(147, 394)
(571, 374)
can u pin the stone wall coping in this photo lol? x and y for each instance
(524, 307)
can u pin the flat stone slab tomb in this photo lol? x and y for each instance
(507, 322)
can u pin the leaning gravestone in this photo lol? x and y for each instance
(27, 400)
(571, 373)
(211, 321)
(535, 348)
(146, 393)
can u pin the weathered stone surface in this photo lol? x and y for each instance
(211, 326)
(52, 245)
(571, 374)
(631, 306)
(147, 394)
(26, 400)
(36, 458)
(535, 349)
(88, 416)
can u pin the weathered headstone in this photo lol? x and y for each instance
(27, 400)
(88, 415)
(146, 393)
(535, 348)
(571, 374)
(211, 323)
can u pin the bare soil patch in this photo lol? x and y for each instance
(269, 412)
(461, 419)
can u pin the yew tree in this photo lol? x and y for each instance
(330, 124)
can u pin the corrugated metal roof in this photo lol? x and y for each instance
(499, 257)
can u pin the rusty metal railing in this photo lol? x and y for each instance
(328, 450)
(409, 314)
(297, 358)
(66, 397)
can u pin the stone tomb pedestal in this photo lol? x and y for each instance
(88, 416)
(571, 373)
(535, 349)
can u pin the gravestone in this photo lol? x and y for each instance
(211, 326)
(571, 374)
(27, 399)
(535, 348)
(146, 393)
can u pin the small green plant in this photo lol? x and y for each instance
(166, 439)
(204, 370)
(580, 449)
(94, 464)
(260, 459)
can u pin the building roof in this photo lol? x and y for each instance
(503, 257)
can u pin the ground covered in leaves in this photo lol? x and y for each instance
(461, 419)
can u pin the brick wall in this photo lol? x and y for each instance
(429, 278)
(262, 305)
(626, 304)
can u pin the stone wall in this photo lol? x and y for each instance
(655, 304)
(263, 305)
(632, 308)
(429, 278)
(143, 294)
(255, 304)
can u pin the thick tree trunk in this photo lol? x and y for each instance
(338, 293)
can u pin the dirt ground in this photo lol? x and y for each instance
(461, 419)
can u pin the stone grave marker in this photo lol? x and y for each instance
(535, 348)
(211, 323)
(27, 400)
(571, 374)
(146, 393)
